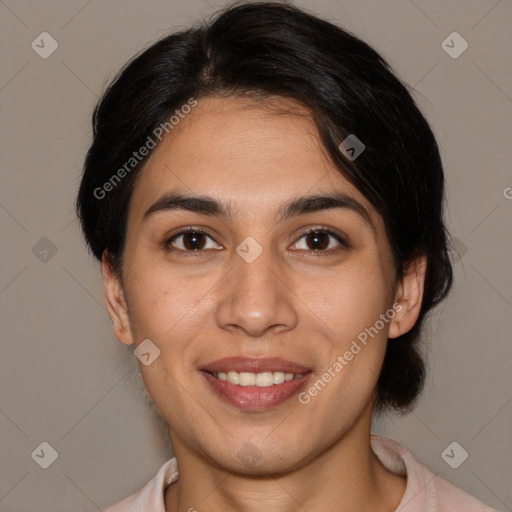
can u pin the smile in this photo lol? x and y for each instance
(255, 391)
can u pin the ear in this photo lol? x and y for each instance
(408, 297)
(115, 302)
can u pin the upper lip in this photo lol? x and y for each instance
(251, 365)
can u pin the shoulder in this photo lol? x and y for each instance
(151, 496)
(425, 491)
(453, 499)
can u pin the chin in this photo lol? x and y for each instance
(262, 457)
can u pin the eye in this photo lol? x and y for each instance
(192, 240)
(319, 240)
(196, 240)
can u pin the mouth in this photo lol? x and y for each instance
(255, 384)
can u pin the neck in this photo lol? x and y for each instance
(347, 476)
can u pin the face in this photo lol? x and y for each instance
(253, 284)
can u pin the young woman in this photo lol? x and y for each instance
(266, 201)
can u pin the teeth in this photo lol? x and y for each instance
(263, 379)
(246, 379)
(279, 377)
(233, 377)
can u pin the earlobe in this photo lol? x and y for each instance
(408, 297)
(115, 302)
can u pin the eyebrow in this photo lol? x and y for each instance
(206, 205)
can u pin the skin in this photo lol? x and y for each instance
(288, 303)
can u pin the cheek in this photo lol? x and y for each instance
(163, 303)
(350, 308)
(171, 312)
(348, 301)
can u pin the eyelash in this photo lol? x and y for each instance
(319, 229)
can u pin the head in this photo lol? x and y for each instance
(247, 113)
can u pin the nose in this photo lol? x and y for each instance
(257, 297)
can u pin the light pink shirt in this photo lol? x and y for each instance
(425, 492)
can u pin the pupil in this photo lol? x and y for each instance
(193, 238)
(318, 236)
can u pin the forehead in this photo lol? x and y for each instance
(249, 153)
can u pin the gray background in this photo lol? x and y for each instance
(66, 380)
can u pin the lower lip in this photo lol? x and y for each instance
(256, 398)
